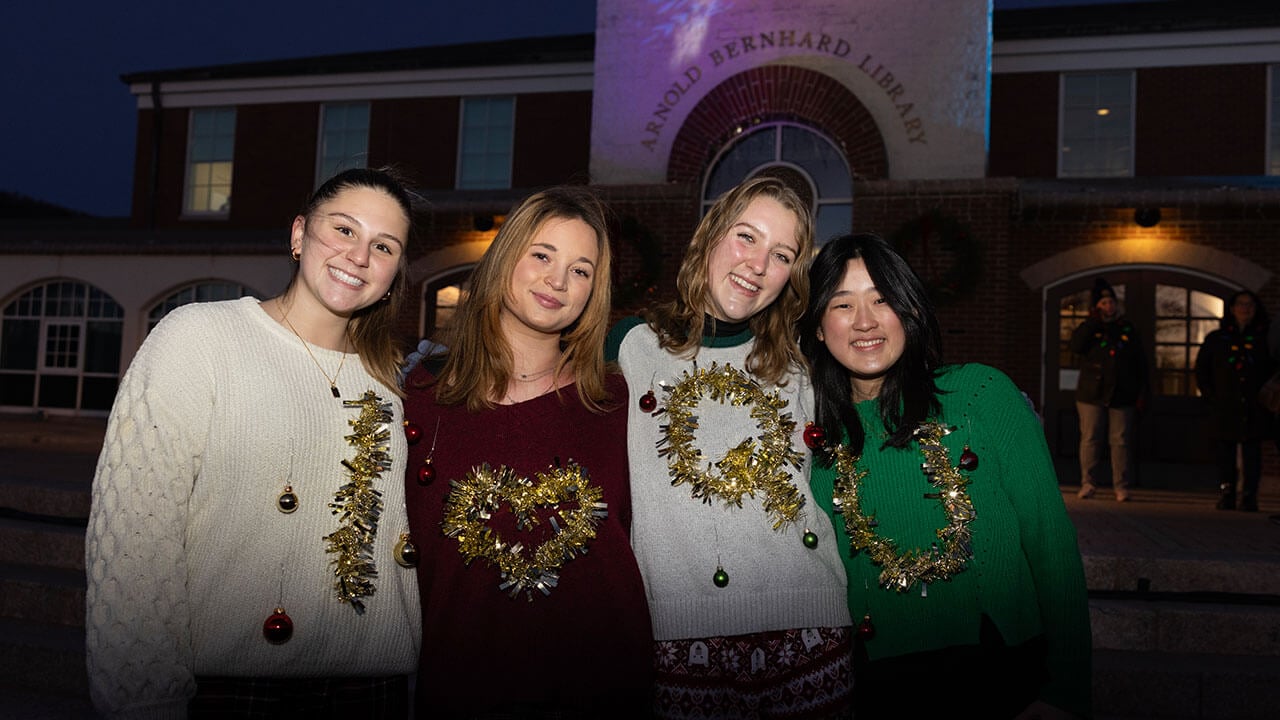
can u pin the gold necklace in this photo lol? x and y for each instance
(333, 381)
(512, 401)
(901, 570)
(533, 376)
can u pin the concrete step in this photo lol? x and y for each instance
(1176, 628)
(1174, 686)
(26, 541)
(1257, 576)
(43, 659)
(52, 596)
(51, 497)
(18, 704)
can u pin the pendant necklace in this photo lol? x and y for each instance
(333, 381)
(530, 377)
(512, 401)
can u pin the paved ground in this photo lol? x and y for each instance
(1172, 516)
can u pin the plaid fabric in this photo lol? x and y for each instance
(782, 674)
(380, 697)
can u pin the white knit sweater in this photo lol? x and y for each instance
(775, 582)
(187, 552)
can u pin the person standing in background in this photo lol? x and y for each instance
(1111, 389)
(1231, 367)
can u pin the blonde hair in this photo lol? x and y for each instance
(479, 363)
(679, 323)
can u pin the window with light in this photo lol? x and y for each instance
(1096, 125)
(210, 151)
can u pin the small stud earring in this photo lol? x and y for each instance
(296, 255)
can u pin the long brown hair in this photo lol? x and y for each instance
(479, 363)
(679, 323)
(372, 328)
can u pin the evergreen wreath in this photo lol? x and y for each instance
(936, 235)
(636, 286)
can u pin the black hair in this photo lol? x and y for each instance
(909, 393)
(1259, 324)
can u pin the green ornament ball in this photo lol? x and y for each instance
(721, 578)
(810, 539)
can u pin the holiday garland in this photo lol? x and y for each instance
(933, 238)
(900, 571)
(757, 464)
(358, 504)
(643, 282)
(473, 501)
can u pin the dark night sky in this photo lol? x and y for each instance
(68, 122)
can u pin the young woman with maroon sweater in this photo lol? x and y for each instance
(518, 486)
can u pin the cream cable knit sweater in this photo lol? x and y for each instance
(186, 551)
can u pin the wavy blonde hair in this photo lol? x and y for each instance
(479, 363)
(679, 323)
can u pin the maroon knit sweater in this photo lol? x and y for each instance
(587, 646)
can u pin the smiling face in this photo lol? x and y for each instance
(751, 263)
(552, 281)
(350, 249)
(861, 331)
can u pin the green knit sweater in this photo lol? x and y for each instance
(1026, 572)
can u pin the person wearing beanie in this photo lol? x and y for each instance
(1112, 385)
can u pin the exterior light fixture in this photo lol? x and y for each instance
(1147, 216)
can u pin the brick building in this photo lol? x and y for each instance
(1014, 156)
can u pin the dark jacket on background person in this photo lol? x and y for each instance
(1231, 367)
(1114, 371)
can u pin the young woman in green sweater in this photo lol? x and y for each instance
(962, 563)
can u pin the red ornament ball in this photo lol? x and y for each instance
(648, 402)
(814, 436)
(278, 628)
(427, 472)
(866, 629)
(412, 432)
(968, 460)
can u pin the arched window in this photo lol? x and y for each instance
(60, 348)
(806, 160)
(196, 292)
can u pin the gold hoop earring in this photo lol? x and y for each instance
(296, 255)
